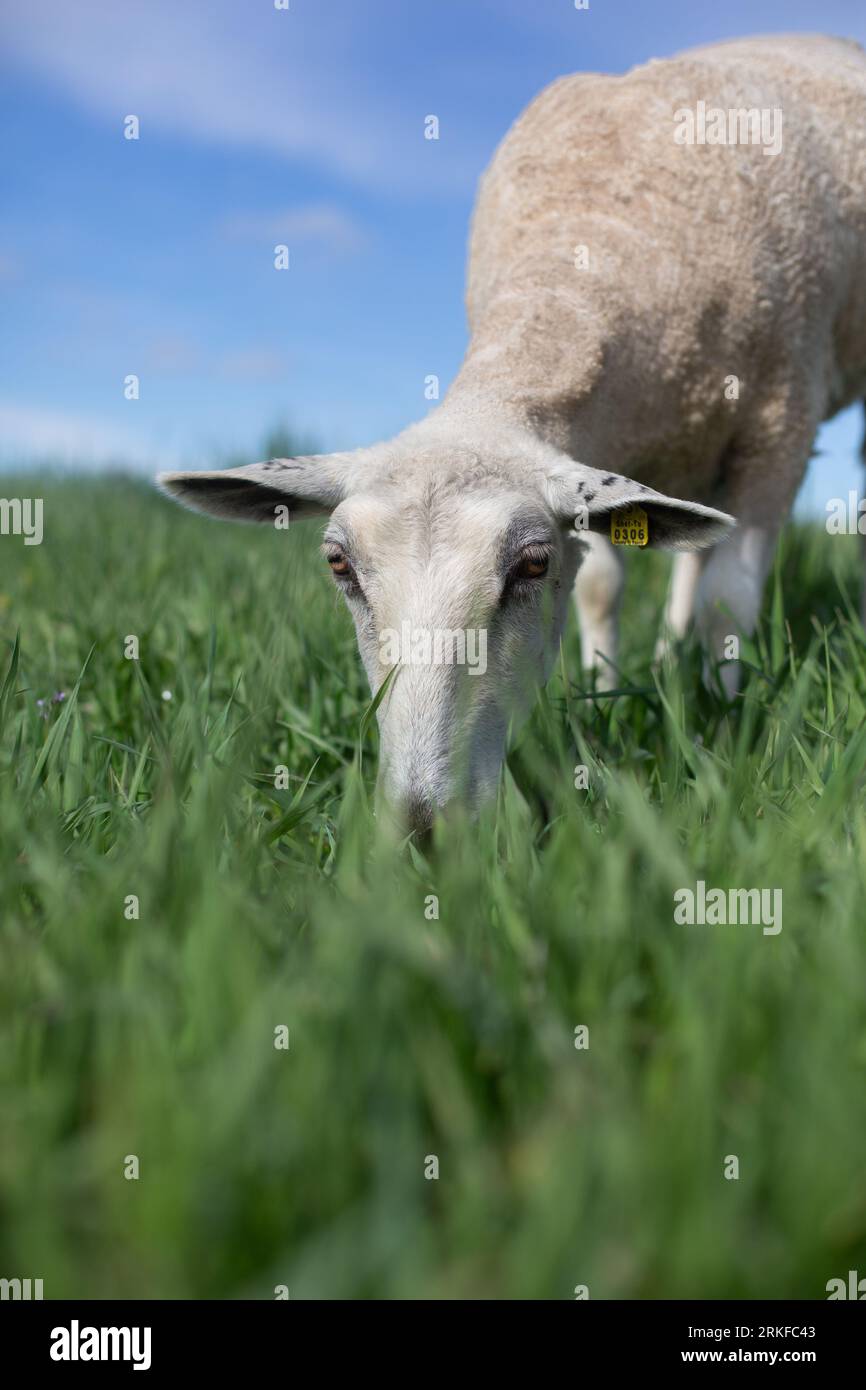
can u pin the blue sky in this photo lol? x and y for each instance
(258, 126)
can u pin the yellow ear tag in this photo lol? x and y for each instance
(629, 527)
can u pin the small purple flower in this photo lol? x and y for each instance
(44, 706)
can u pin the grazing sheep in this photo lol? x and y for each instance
(650, 318)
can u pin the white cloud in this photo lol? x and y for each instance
(293, 82)
(31, 435)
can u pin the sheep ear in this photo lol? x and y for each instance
(589, 498)
(311, 486)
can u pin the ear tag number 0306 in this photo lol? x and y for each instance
(629, 527)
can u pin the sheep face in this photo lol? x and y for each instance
(457, 572)
(458, 601)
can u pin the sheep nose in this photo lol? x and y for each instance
(409, 807)
(416, 812)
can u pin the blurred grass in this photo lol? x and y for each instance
(412, 1037)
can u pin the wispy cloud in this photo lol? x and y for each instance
(291, 82)
(253, 364)
(172, 353)
(10, 268)
(323, 225)
(35, 435)
(176, 355)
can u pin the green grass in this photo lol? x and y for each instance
(412, 1037)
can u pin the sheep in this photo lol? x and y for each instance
(660, 317)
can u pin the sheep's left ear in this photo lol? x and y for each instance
(588, 498)
(311, 486)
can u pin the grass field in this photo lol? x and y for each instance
(411, 1038)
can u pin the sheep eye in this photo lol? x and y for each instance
(533, 564)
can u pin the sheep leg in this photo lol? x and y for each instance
(728, 596)
(759, 481)
(598, 594)
(680, 605)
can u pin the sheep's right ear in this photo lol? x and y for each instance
(311, 486)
